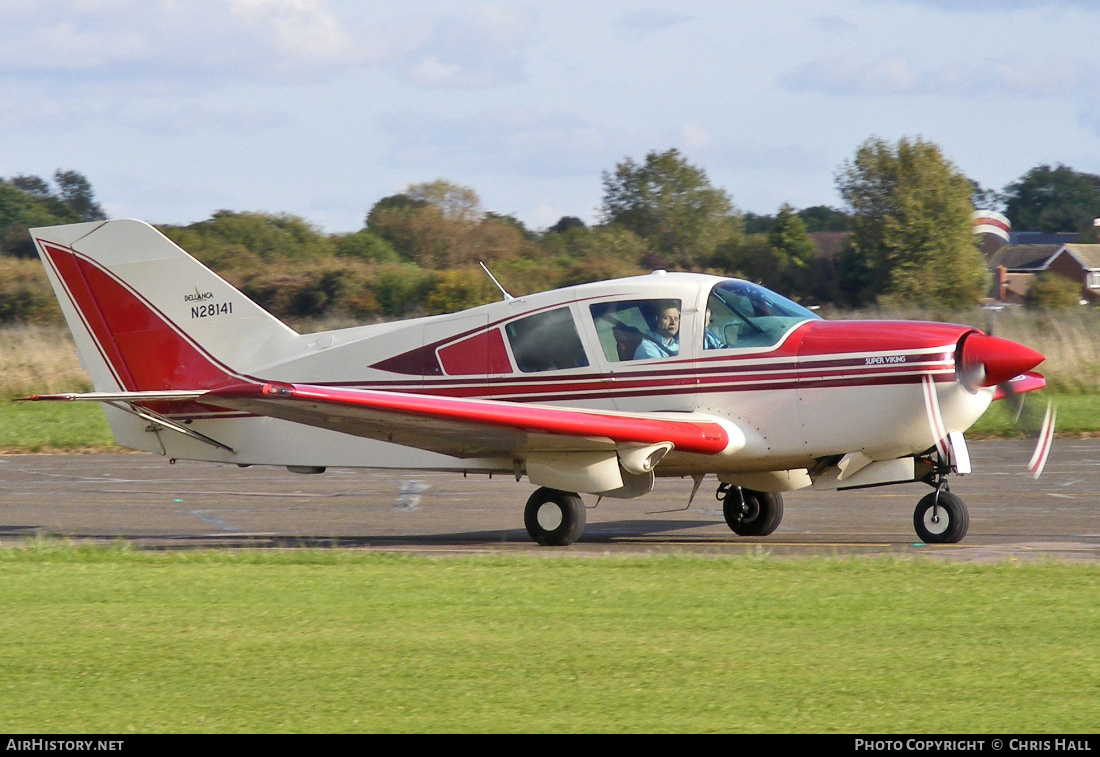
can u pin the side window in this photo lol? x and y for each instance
(637, 329)
(546, 342)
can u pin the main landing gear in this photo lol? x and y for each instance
(748, 512)
(554, 518)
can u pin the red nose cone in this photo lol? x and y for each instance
(993, 361)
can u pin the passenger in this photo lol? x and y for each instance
(664, 339)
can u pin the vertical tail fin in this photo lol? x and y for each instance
(146, 316)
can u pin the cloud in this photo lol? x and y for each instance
(856, 74)
(208, 42)
(480, 46)
(649, 20)
(994, 6)
(114, 40)
(169, 119)
(555, 143)
(1089, 114)
(719, 151)
(833, 24)
(545, 143)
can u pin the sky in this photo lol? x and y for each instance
(174, 109)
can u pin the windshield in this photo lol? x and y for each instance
(741, 314)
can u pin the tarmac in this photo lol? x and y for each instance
(149, 503)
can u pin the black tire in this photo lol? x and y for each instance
(562, 517)
(758, 515)
(941, 522)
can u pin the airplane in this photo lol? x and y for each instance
(593, 389)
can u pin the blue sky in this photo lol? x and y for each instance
(176, 108)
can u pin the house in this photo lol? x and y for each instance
(1015, 266)
(1080, 262)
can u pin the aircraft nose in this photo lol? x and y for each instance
(989, 360)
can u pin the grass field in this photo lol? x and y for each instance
(113, 641)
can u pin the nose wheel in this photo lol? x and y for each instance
(941, 518)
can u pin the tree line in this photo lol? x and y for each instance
(902, 238)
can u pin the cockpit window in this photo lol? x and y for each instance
(638, 329)
(546, 342)
(740, 314)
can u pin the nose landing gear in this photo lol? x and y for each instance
(941, 517)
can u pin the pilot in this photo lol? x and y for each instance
(710, 339)
(663, 340)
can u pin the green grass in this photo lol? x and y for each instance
(308, 641)
(1077, 414)
(46, 426)
(70, 426)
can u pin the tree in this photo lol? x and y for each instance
(756, 223)
(749, 257)
(441, 226)
(76, 192)
(1053, 199)
(671, 205)
(366, 245)
(455, 203)
(35, 186)
(911, 236)
(263, 236)
(27, 202)
(792, 249)
(564, 224)
(1050, 291)
(824, 218)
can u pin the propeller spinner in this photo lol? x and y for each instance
(992, 361)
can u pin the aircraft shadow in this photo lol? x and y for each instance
(624, 531)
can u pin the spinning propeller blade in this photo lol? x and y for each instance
(935, 418)
(1042, 446)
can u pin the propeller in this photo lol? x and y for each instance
(989, 361)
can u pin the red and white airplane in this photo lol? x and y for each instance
(595, 388)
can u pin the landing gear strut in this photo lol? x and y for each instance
(554, 518)
(748, 512)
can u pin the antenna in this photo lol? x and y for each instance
(494, 280)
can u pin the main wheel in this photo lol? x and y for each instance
(941, 521)
(554, 518)
(752, 513)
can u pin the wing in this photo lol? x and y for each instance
(470, 427)
(566, 448)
